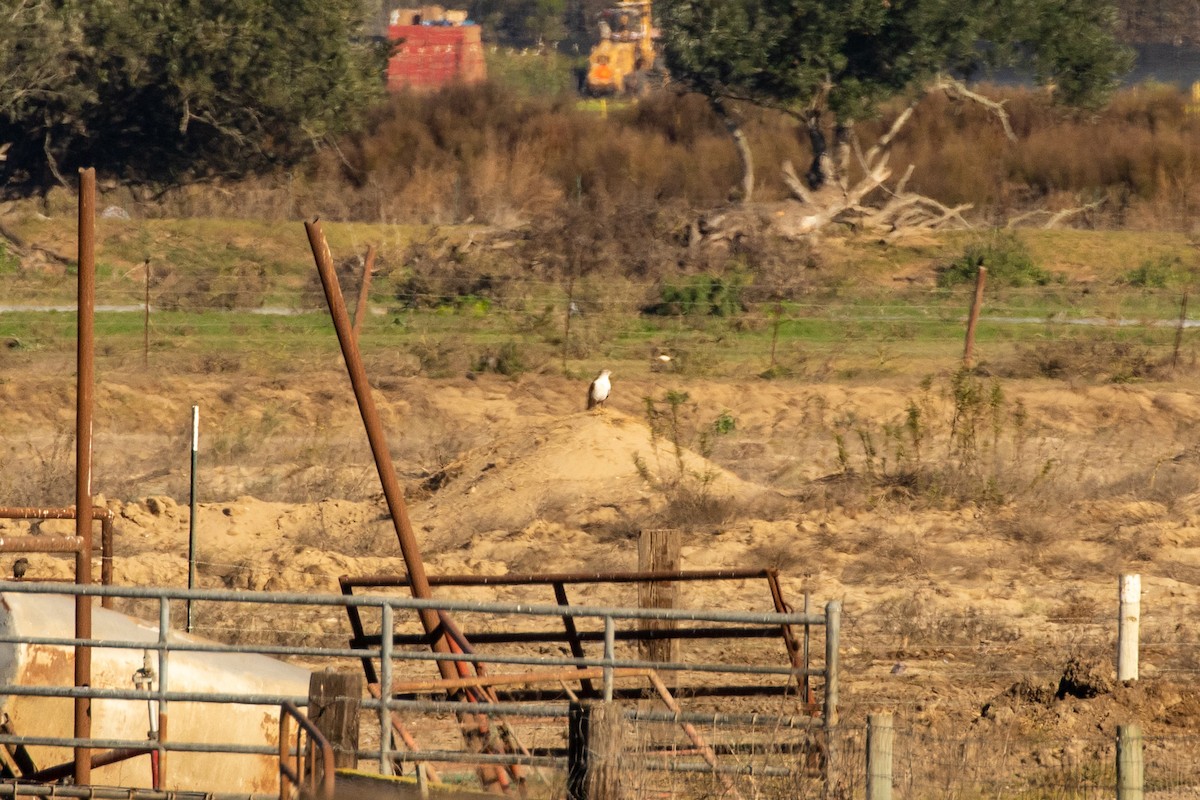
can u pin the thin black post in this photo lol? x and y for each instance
(192, 515)
(1179, 331)
(577, 751)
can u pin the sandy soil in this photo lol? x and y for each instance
(961, 614)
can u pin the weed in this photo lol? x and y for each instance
(506, 360)
(919, 626)
(48, 477)
(688, 490)
(974, 455)
(438, 356)
(1066, 359)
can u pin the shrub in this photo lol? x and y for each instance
(1007, 260)
(9, 263)
(1164, 272)
(702, 295)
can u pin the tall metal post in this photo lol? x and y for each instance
(85, 379)
(610, 637)
(833, 627)
(192, 515)
(386, 634)
(164, 627)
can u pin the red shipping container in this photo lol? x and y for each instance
(431, 56)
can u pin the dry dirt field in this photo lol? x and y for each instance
(980, 597)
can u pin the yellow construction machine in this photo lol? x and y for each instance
(624, 62)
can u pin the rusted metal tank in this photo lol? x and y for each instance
(52, 616)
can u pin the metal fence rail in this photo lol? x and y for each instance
(165, 646)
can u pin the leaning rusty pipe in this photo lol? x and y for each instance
(409, 549)
(85, 378)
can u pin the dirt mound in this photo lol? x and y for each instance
(581, 469)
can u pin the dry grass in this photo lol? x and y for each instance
(488, 155)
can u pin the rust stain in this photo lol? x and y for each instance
(47, 662)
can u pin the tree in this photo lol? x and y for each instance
(163, 92)
(831, 63)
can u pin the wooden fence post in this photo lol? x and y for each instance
(976, 305)
(1179, 331)
(1127, 629)
(658, 551)
(594, 735)
(1129, 762)
(879, 756)
(334, 702)
(606, 729)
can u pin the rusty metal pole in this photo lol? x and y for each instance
(83, 463)
(409, 549)
(364, 291)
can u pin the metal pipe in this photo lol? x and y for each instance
(164, 626)
(60, 771)
(316, 741)
(85, 378)
(609, 657)
(106, 552)
(114, 793)
(409, 548)
(549, 578)
(690, 731)
(519, 679)
(445, 604)
(105, 515)
(43, 512)
(192, 513)
(641, 635)
(560, 594)
(40, 544)
(833, 625)
(385, 714)
(405, 735)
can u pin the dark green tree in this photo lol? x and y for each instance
(157, 92)
(831, 63)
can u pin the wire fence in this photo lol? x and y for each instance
(1109, 332)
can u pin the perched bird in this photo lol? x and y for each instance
(20, 566)
(598, 391)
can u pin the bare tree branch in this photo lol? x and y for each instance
(1056, 218)
(956, 88)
